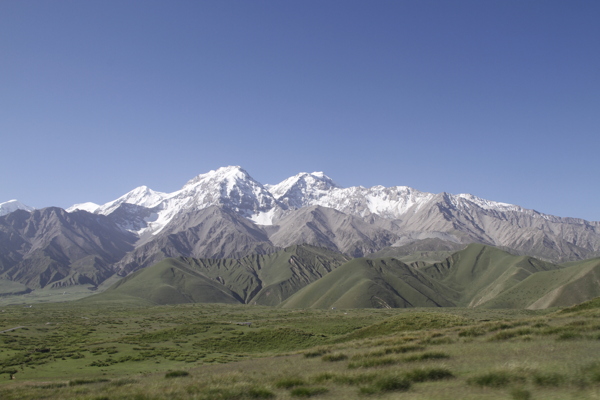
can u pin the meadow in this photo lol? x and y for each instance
(211, 351)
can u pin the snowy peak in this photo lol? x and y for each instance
(228, 186)
(88, 206)
(303, 189)
(487, 204)
(141, 196)
(13, 205)
(234, 189)
(224, 174)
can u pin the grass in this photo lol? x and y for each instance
(124, 352)
(373, 362)
(308, 391)
(289, 382)
(78, 382)
(427, 356)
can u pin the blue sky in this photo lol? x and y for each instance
(500, 99)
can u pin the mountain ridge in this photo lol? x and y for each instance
(225, 213)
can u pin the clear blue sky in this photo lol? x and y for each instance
(500, 99)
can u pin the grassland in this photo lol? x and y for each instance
(206, 351)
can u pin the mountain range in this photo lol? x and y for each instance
(311, 277)
(226, 214)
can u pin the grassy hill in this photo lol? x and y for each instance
(480, 273)
(564, 287)
(364, 283)
(171, 281)
(311, 277)
(256, 279)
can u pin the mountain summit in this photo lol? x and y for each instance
(303, 189)
(13, 205)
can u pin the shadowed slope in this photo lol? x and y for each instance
(51, 247)
(363, 283)
(170, 281)
(257, 279)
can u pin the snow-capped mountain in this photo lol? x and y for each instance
(13, 205)
(304, 189)
(226, 213)
(234, 189)
(230, 187)
(87, 206)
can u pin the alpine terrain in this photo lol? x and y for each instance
(226, 214)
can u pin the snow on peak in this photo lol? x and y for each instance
(488, 204)
(390, 202)
(230, 186)
(303, 189)
(140, 196)
(233, 188)
(13, 205)
(230, 173)
(88, 206)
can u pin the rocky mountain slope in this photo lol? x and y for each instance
(57, 248)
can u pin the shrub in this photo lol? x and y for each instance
(520, 394)
(549, 379)
(509, 334)
(260, 393)
(123, 382)
(373, 362)
(568, 335)
(78, 382)
(316, 353)
(403, 349)
(437, 341)
(221, 394)
(325, 376)
(429, 374)
(493, 379)
(472, 332)
(387, 384)
(334, 357)
(53, 386)
(176, 374)
(588, 374)
(354, 379)
(287, 383)
(427, 356)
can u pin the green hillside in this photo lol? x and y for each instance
(256, 279)
(171, 281)
(480, 273)
(312, 277)
(428, 250)
(364, 283)
(558, 288)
